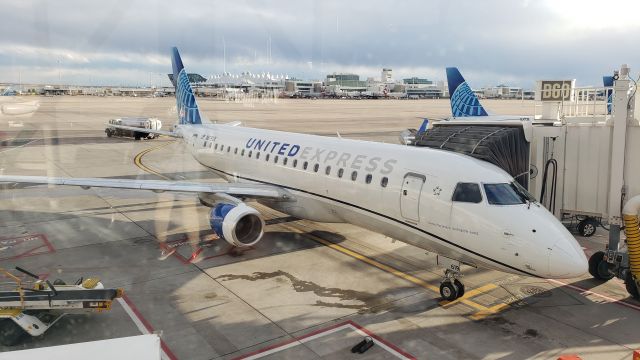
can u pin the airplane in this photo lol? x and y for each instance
(465, 210)
(9, 105)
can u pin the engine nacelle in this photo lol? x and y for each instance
(239, 225)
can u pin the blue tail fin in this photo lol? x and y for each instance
(463, 101)
(188, 112)
(608, 82)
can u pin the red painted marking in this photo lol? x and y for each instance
(183, 240)
(319, 331)
(636, 355)
(195, 254)
(148, 326)
(21, 240)
(591, 292)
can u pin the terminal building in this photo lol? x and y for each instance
(423, 88)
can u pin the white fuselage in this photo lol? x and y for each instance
(400, 191)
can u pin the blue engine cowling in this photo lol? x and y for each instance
(240, 225)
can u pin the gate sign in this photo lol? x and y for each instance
(555, 90)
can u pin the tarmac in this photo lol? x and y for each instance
(307, 290)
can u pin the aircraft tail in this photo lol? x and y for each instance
(188, 111)
(463, 101)
(607, 81)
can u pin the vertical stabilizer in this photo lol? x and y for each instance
(188, 112)
(463, 101)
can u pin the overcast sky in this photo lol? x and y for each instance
(492, 42)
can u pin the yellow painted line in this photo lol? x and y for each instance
(415, 280)
(469, 294)
(138, 160)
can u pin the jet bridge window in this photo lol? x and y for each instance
(467, 192)
(504, 194)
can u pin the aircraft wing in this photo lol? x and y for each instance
(159, 132)
(233, 189)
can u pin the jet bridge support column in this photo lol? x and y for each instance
(615, 261)
(619, 136)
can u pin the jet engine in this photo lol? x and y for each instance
(239, 225)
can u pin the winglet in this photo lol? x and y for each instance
(188, 112)
(463, 101)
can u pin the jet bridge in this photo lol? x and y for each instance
(504, 146)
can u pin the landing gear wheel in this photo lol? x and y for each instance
(460, 287)
(587, 227)
(109, 133)
(598, 268)
(632, 286)
(448, 291)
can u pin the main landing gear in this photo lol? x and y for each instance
(451, 288)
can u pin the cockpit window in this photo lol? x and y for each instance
(506, 194)
(467, 192)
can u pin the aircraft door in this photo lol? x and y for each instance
(410, 196)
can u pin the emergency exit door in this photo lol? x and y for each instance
(410, 196)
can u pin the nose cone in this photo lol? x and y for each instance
(567, 260)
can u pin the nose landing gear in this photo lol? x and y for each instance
(451, 288)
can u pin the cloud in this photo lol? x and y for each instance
(491, 41)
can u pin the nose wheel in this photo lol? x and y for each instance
(451, 288)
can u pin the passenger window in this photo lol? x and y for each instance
(235, 151)
(228, 148)
(258, 155)
(215, 147)
(467, 192)
(295, 163)
(384, 181)
(250, 153)
(327, 171)
(340, 172)
(284, 161)
(354, 175)
(266, 158)
(368, 178)
(305, 165)
(275, 159)
(242, 152)
(316, 167)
